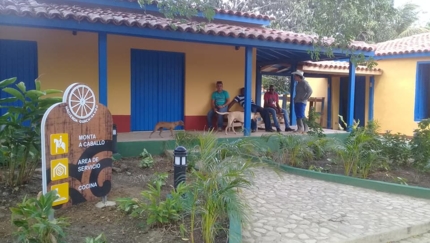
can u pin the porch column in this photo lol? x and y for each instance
(329, 111)
(351, 96)
(103, 85)
(292, 94)
(371, 96)
(258, 83)
(248, 84)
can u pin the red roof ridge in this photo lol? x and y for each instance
(418, 43)
(118, 17)
(337, 65)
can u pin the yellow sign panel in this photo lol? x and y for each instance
(62, 193)
(59, 143)
(59, 169)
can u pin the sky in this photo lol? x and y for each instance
(424, 6)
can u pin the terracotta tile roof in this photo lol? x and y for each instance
(32, 8)
(413, 44)
(229, 12)
(332, 65)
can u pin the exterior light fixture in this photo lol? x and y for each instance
(180, 165)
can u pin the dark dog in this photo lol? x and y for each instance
(167, 125)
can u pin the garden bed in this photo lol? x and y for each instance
(404, 175)
(128, 180)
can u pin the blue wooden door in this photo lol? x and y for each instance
(359, 101)
(157, 88)
(18, 59)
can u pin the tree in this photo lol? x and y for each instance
(281, 84)
(414, 31)
(342, 21)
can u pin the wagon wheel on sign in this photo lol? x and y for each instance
(82, 101)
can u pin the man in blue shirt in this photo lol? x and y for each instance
(240, 99)
(219, 102)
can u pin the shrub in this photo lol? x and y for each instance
(146, 160)
(32, 217)
(420, 145)
(396, 147)
(20, 133)
(156, 209)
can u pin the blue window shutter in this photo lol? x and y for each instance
(420, 110)
(18, 59)
(157, 88)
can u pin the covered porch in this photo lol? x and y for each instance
(331, 82)
(109, 26)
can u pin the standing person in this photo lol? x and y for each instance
(240, 99)
(271, 102)
(303, 93)
(219, 102)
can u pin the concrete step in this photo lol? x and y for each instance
(424, 238)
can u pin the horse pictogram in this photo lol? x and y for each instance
(59, 143)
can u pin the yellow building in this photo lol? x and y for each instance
(394, 93)
(401, 93)
(138, 64)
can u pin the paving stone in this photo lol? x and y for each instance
(297, 209)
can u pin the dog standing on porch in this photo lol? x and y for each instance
(166, 125)
(236, 116)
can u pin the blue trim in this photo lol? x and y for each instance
(258, 84)
(421, 93)
(351, 96)
(371, 97)
(329, 108)
(292, 94)
(103, 84)
(360, 100)
(153, 8)
(71, 24)
(248, 85)
(402, 56)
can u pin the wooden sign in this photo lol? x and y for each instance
(77, 148)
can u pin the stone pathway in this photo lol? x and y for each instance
(293, 209)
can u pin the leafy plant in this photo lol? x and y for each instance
(99, 239)
(223, 170)
(146, 160)
(313, 123)
(396, 147)
(32, 219)
(20, 134)
(186, 139)
(420, 145)
(154, 207)
(159, 178)
(400, 180)
(361, 150)
(293, 149)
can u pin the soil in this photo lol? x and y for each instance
(128, 180)
(399, 175)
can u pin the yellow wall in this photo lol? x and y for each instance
(65, 58)
(204, 65)
(319, 88)
(395, 95)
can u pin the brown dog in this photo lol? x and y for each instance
(167, 125)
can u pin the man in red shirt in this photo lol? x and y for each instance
(271, 101)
